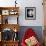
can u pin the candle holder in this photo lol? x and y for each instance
(15, 3)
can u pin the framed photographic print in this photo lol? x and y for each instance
(30, 13)
(5, 12)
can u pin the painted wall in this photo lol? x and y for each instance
(22, 4)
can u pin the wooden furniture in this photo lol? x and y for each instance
(6, 23)
(44, 8)
(10, 43)
(44, 35)
(8, 11)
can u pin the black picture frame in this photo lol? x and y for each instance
(30, 13)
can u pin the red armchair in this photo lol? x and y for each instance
(29, 34)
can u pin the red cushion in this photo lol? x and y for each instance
(29, 33)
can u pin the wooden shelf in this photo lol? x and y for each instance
(11, 26)
(5, 12)
(9, 8)
(9, 43)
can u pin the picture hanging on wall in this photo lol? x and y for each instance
(30, 13)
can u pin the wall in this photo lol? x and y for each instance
(39, 13)
(22, 4)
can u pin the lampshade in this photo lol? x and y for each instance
(15, 30)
